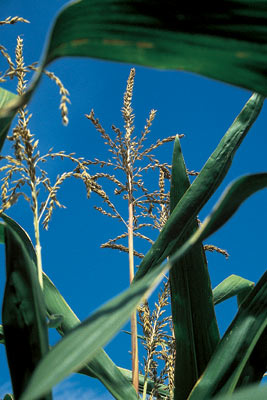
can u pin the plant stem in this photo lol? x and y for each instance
(135, 369)
(37, 235)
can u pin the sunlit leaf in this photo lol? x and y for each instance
(202, 188)
(232, 286)
(222, 40)
(101, 366)
(225, 41)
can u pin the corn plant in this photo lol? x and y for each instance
(130, 161)
(206, 366)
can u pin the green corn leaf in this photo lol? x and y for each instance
(161, 389)
(232, 286)
(254, 392)
(225, 41)
(230, 359)
(193, 315)
(101, 367)
(5, 98)
(84, 341)
(222, 41)
(23, 312)
(202, 188)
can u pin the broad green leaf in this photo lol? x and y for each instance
(22, 234)
(88, 370)
(252, 392)
(84, 341)
(232, 286)
(101, 367)
(5, 98)
(23, 313)
(234, 195)
(193, 315)
(222, 40)
(229, 360)
(202, 188)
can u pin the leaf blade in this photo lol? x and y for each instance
(23, 313)
(225, 42)
(203, 186)
(195, 325)
(101, 366)
(233, 285)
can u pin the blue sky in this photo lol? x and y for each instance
(200, 108)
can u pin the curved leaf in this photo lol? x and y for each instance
(232, 286)
(230, 201)
(225, 41)
(222, 40)
(101, 366)
(83, 342)
(23, 313)
(202, 188)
